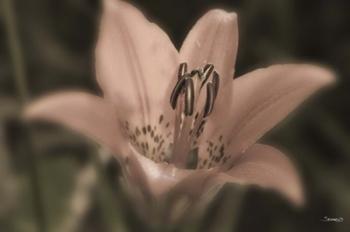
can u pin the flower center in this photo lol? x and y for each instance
(193, 99)
(192, 106)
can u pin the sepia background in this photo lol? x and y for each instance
(53, 180)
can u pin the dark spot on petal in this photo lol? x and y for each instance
(137, 131)
(156, 139)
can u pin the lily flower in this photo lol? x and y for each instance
(178, 122)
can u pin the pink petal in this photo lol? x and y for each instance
(267, 167)
(154, 180)
(135, 63)
(164, 184)
(194, 192)
(193, 185)
(214, 39)
(264, 97)
(261, 99)
(161, 177)
(96, 118)
(83, 112)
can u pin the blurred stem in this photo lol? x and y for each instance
(80, 200)
(20, 79)
(15, 50)
(109, 204)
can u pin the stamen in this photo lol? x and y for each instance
(176, 92)
(189, 127)
(209, 103)
(189, 97)
(216, 82)
(182, 70)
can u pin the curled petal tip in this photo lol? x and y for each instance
(297, 198)
(324, 75)
(330, 77)
(38, 108)
(106, 3)
(114, 5)
(223, 15)
(32, 110)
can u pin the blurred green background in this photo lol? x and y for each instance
(54, 180)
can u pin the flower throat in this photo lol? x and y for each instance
(192, 106)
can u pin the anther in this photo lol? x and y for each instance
(207, 71)
(176, 92)
(189, 97)
(216, 83)
(209, 103)
(195, 72)
(182, 70)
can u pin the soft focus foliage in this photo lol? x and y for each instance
(52, 179)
